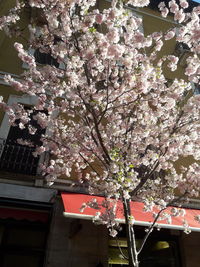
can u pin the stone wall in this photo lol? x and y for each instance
(75, 243)
(190, 249)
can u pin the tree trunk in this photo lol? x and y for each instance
(131, 240)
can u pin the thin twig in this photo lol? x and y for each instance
(156, 218)
(123, 255)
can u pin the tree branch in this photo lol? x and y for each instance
(156, 218)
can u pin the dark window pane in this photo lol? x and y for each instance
(26, 237)
(160, 253)
(17, 158)
(20, 260)
(44, 58)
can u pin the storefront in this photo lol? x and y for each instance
(167, 246)
(25, 218)
(34, 233)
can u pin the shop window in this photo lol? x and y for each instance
(23, 242)
(13, 258)
(160, 253)
(17, 236)
(161, 250)
(117, 248)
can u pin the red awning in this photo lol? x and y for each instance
(23, 214)
(73, 202)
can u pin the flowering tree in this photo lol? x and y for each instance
(112, 117)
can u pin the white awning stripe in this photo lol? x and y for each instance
(140, 223)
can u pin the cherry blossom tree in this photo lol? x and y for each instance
(112, 117)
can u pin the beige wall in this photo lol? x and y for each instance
(9, 61)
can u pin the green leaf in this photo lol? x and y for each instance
(92, 29)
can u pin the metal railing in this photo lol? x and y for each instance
(17, 158)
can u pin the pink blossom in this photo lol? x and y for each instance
(173, 6)
(138, 3)
(113, 232)
(115, 51)
(157, 35)
(183, 3)
(139, 37)
(159, 45)
(179, 16)
(161, 5)
(99, 18)
(169, 35)
(113, 35)
(164, 12)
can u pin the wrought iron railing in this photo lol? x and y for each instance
(17, 158)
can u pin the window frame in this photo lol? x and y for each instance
(5, 125)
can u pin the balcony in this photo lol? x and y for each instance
(16, 158)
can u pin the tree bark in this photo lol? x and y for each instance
(131, 240)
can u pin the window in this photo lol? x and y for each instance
(44, 59)
(19, 158)
(7, 132)
(47, 58)
(196, 88)
(23, 241)
(181, 49)
(115, 255)
(161, 249)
